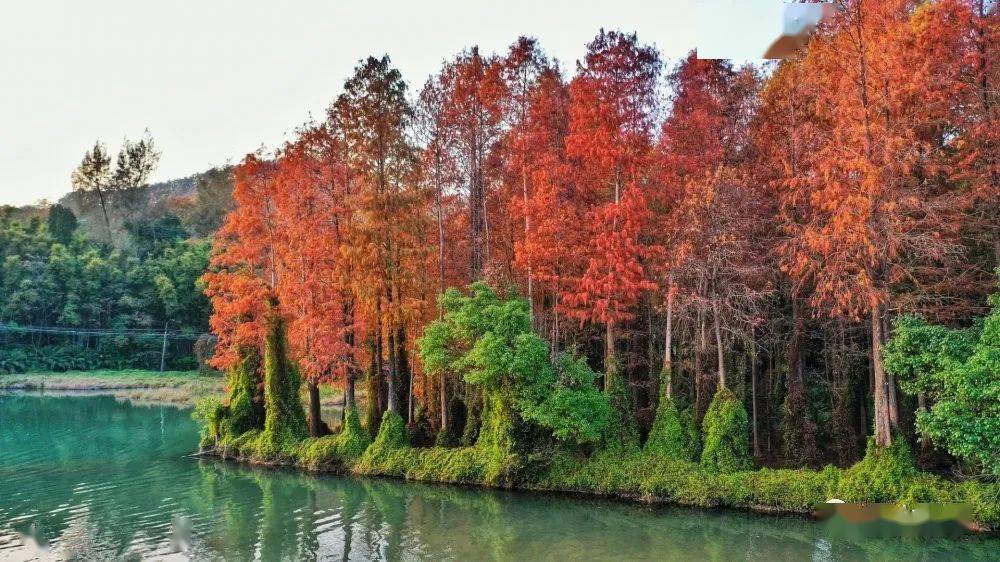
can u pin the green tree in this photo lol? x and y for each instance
(118, 187)
(489, 342)
(958, 371)
(62, 223)
(93, 178)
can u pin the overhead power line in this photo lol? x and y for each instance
(127, 332)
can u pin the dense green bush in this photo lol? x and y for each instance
(674, 434)
(561, 398)
(985, 500)
(882, 476)
(210, 414)
(391, 437)
(726, 429)
(338, 451)
(489, 342)
(959, 371)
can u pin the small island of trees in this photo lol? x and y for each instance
(768, 289)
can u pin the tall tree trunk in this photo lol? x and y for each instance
(443, 394)
(393, 375)
(795, 366)
(883, 422)
(380, 371)
(699, 353)
(476, 206)
(718, 343)
(104, 209)
(527, 228)
(316, 428)
(610, 359)
(440, 225)
(753, 399)
(404, 378)
(891, 381)
(769, 386)
(350, 395)
(668, 346)
(350, 379)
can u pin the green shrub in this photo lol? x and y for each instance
(497, 441)
(488, 341)
(336, 451)
(880, 477)
(352, 439)
(673, 434)
(726, 430)
(959, 372)
(799, 490)
(622, 431)
(391, 437)
(210, 414)
(985, 500)
(563, 400)
(463, 465)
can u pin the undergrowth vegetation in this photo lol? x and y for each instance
(543, 425)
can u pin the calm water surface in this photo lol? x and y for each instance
(91, 478)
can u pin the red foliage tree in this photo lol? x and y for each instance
(608, 145)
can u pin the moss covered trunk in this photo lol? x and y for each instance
(284, 419)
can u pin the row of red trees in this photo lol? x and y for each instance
(718, 233)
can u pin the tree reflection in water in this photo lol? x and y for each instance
(95, 478)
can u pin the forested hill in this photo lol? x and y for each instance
(202, 198)
(155, 196)
(81, 291)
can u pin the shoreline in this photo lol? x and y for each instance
(975, 528)
(179, 389)
(631, 499)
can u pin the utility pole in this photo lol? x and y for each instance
(163, 350)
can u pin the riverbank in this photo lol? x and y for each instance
(175, 388)
(182, 389)
(633, 475)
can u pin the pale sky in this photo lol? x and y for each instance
(215, 79)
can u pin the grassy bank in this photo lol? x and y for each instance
(175, 388)
(180, 388)
(649, 477)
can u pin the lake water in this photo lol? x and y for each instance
(92, 478)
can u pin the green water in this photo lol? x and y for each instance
(92, 478)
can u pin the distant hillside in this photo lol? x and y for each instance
(154, 198)
(199, 201)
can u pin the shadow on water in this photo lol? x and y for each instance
(95, 478)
